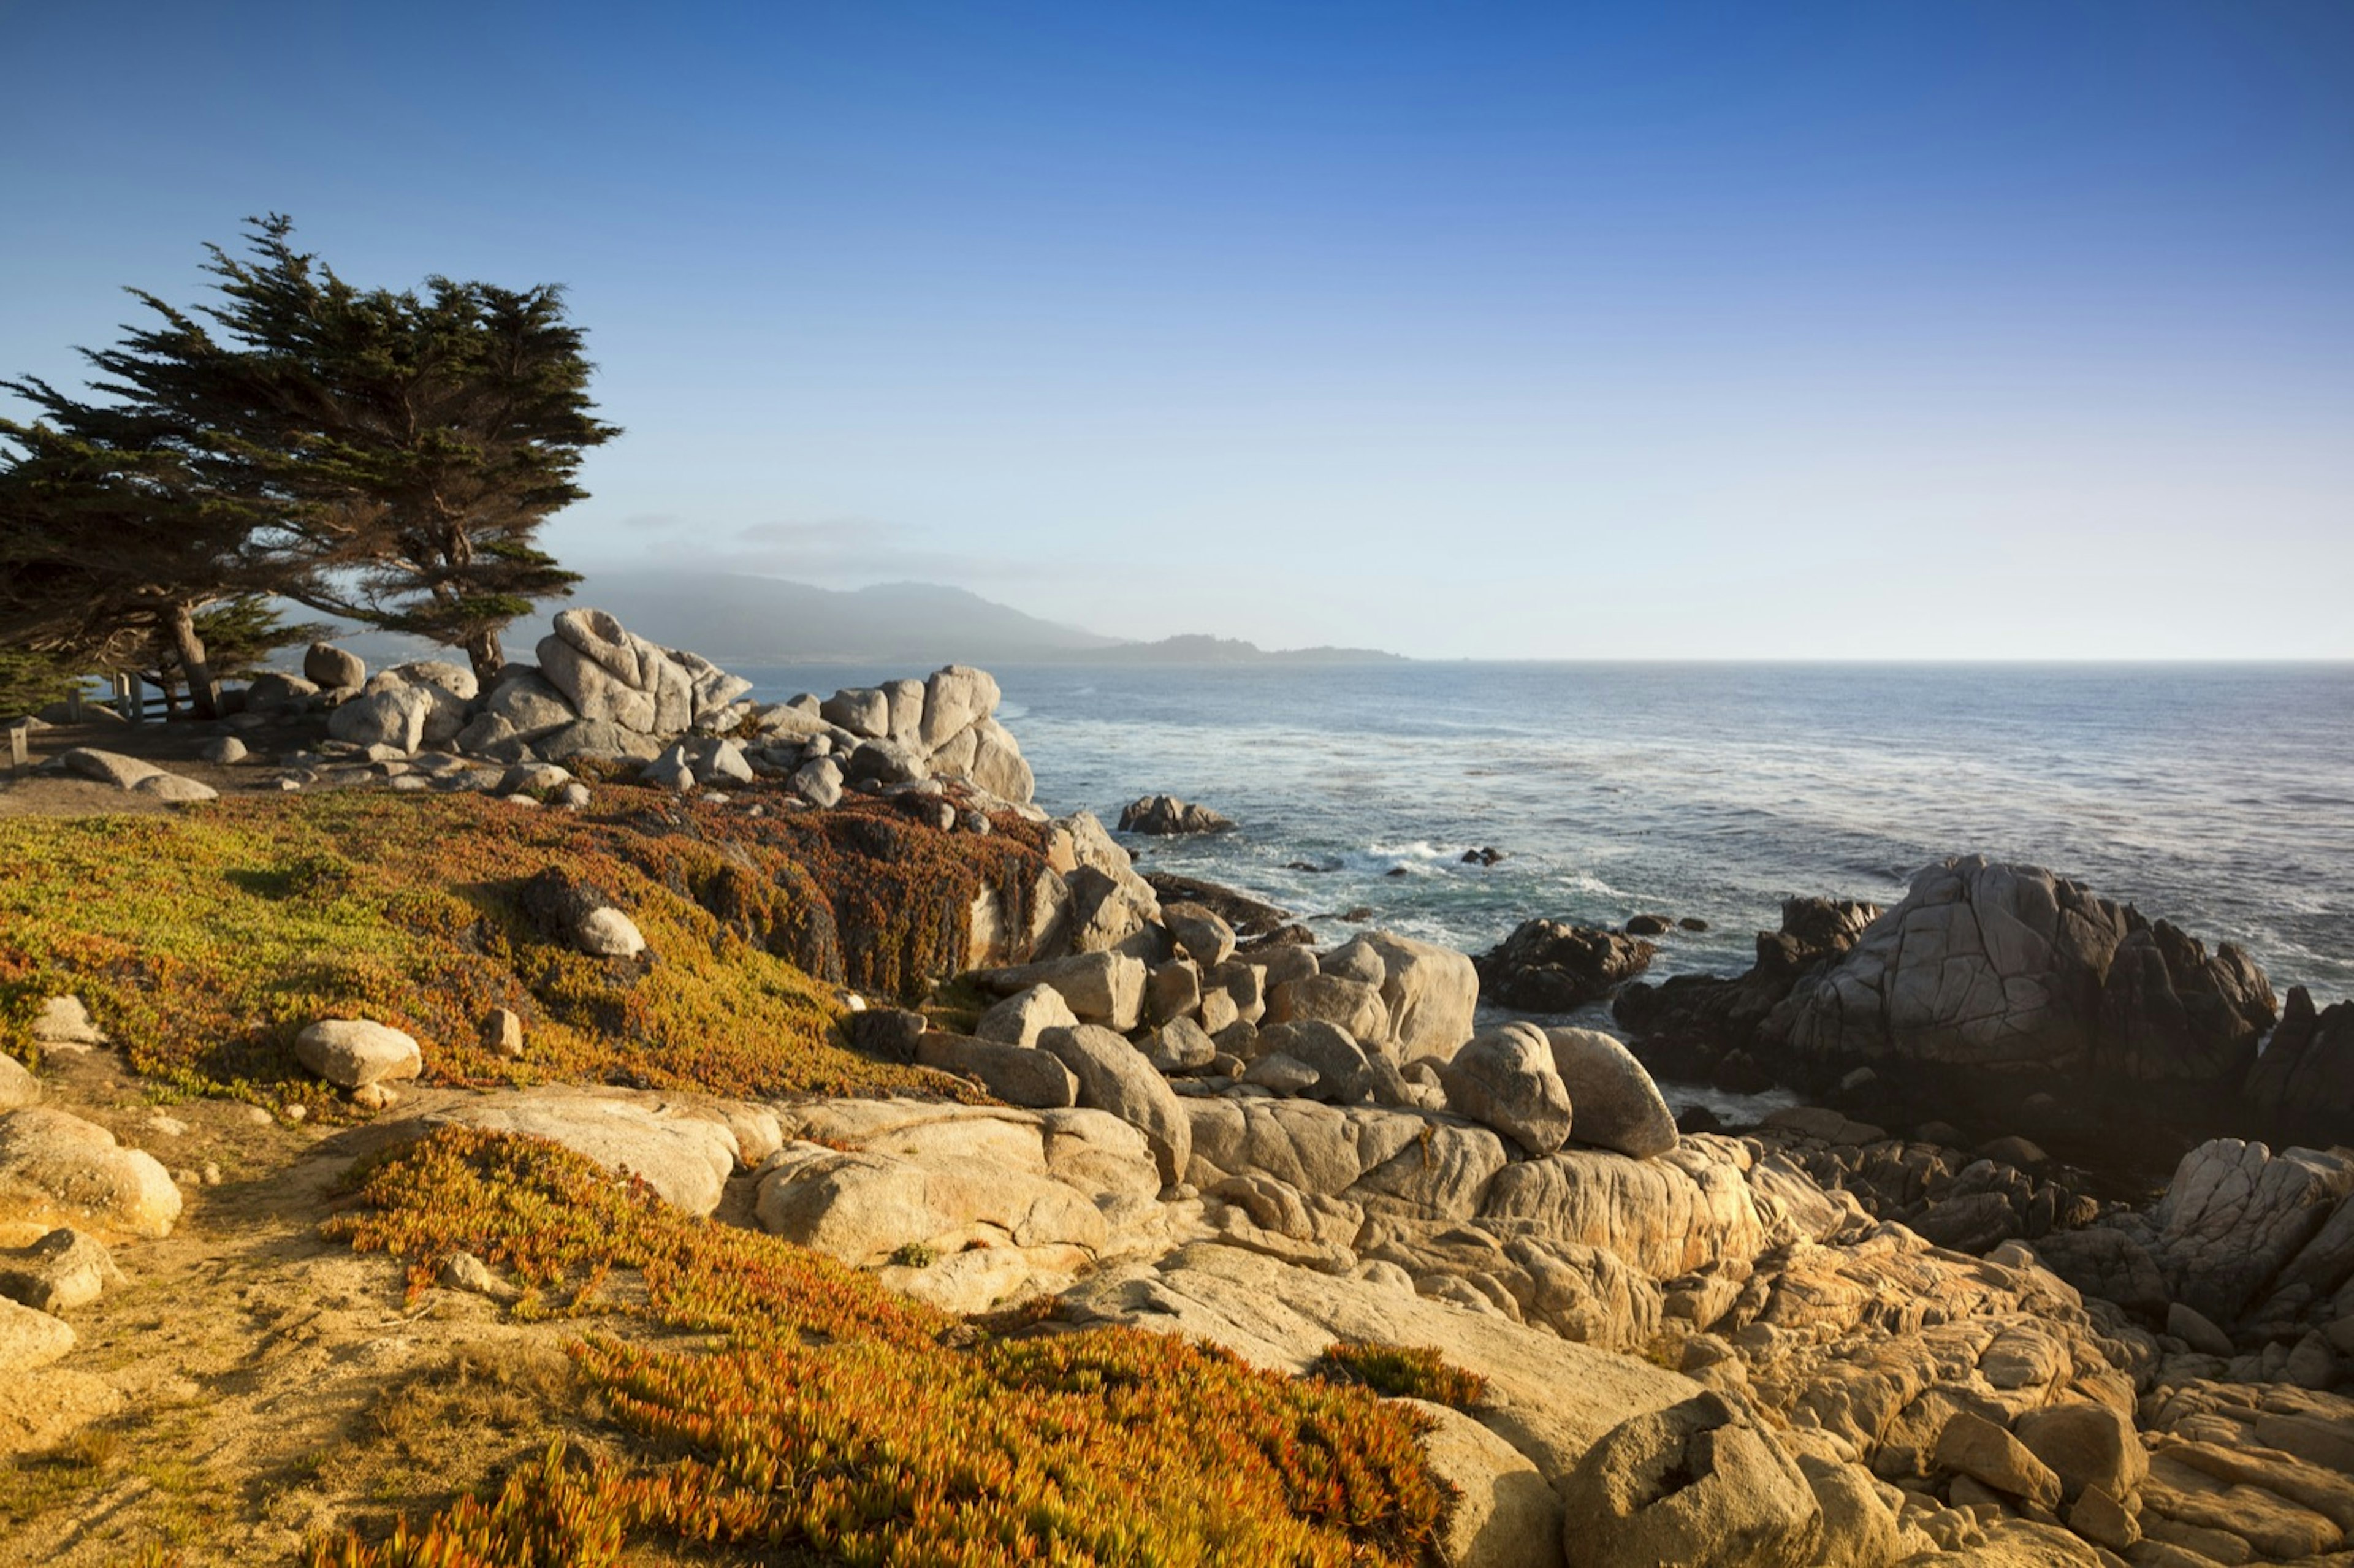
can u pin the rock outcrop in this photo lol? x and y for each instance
(1989, 965)
(1165, 816)
(1545, 966)
(2303, 1084)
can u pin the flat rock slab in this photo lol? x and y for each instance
(684, 1153)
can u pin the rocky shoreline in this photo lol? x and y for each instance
(2015, 1286)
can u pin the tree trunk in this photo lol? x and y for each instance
(204, 691)
(487, 653)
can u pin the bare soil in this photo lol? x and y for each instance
(254, 1387)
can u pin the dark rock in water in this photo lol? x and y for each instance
(1545, 966)
(1719, 1014)
(1358, 915)
(1250, 918)
(1649, 925)
(1291, 936)
(1397, 871)
(1306, 866)
(1699, 1119)
(1487, 855)
(2303, 1085)
(1693, 923)
(1166, 816)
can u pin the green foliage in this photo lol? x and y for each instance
(427, 433)
(204, 942)
(1402, 1371)
(384, 455)
(29, 682)
(831, 1421)
(241, 635)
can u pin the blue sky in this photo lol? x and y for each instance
(1935, 329)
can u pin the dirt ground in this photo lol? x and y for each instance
(171, 745)
(253, 1386)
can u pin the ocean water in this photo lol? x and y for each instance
(2220, 798)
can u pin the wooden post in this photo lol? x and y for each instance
(73, 703)
(19, 755)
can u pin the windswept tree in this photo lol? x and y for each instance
(119, 556)
(420, 439)
(385, 456)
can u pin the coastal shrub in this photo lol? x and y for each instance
(1402, 1371)
(203, 941)
(827, 1420)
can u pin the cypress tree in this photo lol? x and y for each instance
(419, 438)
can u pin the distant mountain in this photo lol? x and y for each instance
(746, 622)
(1197, 648)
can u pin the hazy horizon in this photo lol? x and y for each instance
(1812, 332)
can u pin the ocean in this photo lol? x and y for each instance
(2217, 797)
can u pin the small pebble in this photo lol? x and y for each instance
(212, 1174)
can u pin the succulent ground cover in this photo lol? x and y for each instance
(1409, 1371)
(203, 940)
(798, 1411)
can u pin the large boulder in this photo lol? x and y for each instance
(965, 1206)
(326, 665)
(1701, 1484)
(1386, 1159)
(956, 698)
(1345, 1071)
(530, 704)
(1099, 988)
(997, 763)
(865, 1206)
(353, 1052)
(684, 1152)
(1505, 1515)
(392, 714)
(1023, 1017)
(1430, 993)
(107, 767)
(1991, 965)
(1969, 1445)
(1344, 1000)
(1547, 966)
(60, 1272)
(1114, 1076)
(1020, 1074)
(1505, 1079)
(1617, 1105)
(607, 673)
(58, 1169)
